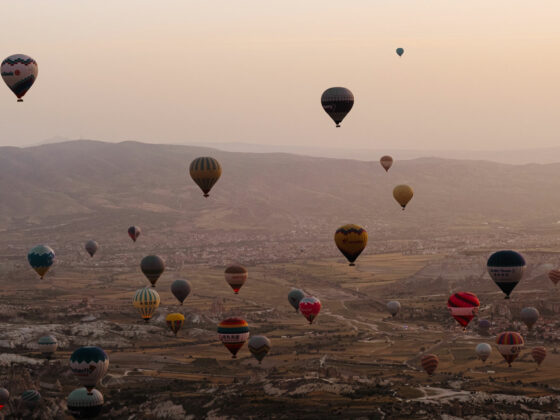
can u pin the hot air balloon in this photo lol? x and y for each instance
(509, 345)
(41, 258)
(91, 247)
(89, 364)
(403, 194)
(463, 306)
(30, 398)
(83, 404)
(483, 351)
(400, 52)
(294, 297)
(47, 345)
(146, 300)
(152, 266)
(386, 161)
(205, 171)
(175, 322)
(351, 240)
(554, 276)
(539, 354)
(337, 102)
(236, 276)
(393, 307)
(134, 232)
(259, 346)
(529, 316)
(310, 308)
(506, 269)
(484, 326)
(19, 72)
(4, 397)
(429, 363)
(233, 333)
(181, 289)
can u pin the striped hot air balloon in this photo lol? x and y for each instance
(175, 322)
(259, 346)
(89, 364)
(30, 398)
(236, 276)
(146, 300)
(429, 363)
(41, 259)
(351, 240)
(205, 171)
(539, 354)
(506, 269)
(84, 404)
(554, 276)
(310, 307)
(19, 72)
(233, 333)
(337, 102)
(510, 344)
(463, 306)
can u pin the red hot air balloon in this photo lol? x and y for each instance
(538, 353)
(510, 345)
(554, 276)
(233, 333)
(430, 363)
(463, 306)
(310, 308)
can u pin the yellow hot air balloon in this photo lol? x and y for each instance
(175, 322)
(351, 240)
(205, 171)
(146, 300)
(403, 194)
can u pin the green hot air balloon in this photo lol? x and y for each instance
(400, 52)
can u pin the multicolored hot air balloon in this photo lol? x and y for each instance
(506, 268)
(539, 354)
(134, 232)
(463, 306)
(294, 297)
(310, 308)
(529, 316)
(236, 276)
(233, 333)
(259, 346)
(83, 404)
(47, 345)
(403, 194)
(554, 276)
(400, 51)
(4, 397)
(393, 307)
(483, 351)
(509, 345)
(41, 258)
(386, 161)
(205, 171)
(19, 71)
(91, 247)
(152, 266)
(351, 240)
(337, 102)
(429, 363)
(89, 364)
(30, 398)
(181, 289)
(175, 322)
(146, 300)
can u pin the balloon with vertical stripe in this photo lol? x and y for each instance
(146, 300)
(539, 354)
(233, 333)
(205, 171)
(509, 345)
(463, 306)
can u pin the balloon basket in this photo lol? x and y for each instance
(20, 100)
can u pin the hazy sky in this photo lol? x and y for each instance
(476, 74)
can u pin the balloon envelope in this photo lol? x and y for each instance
(506, 268)
(386, 162)
(539, 354)
(4, 396)
(393, 307)
(351, 240)
(400, 51)
(205, 172)
(134, 232)
(47, 345)
(554, 276)
(430, 363)
(310, 308)
(236, 276)
(463, 306)
(294, 297)
(152, 266)
(175, 321)
(83, 404)
(146, 300)
(30, 398)
(19, 72)
(259, 346)
(89, 364)
(483, 351)
(509, 345)
(91, 247)
(337, 103)
(233, 333)
(529, 316)
(403, 194)
(41, 258)
(181, 289)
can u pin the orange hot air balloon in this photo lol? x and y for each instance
(386, 161)
(430, 363)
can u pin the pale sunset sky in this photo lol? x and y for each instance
(475, 74)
